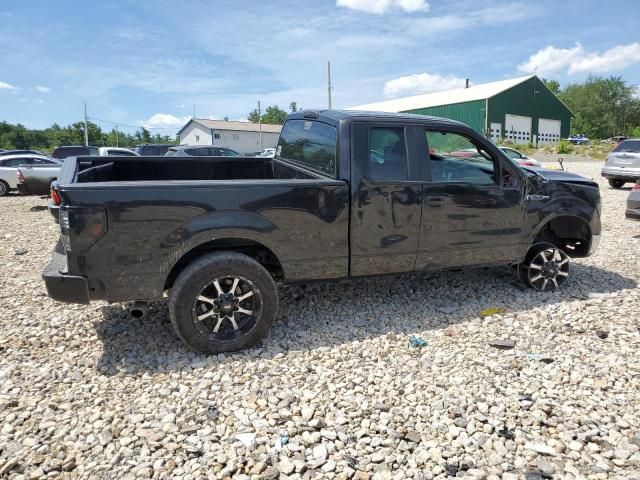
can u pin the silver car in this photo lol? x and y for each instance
(9, 169)
(633, 203)
(623, 163)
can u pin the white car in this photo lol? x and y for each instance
(520, 157)
(116, 152)
(268, 152)
(9, 167)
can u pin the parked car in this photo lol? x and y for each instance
(151, 150)
(520, 157)
(221, 236)
(36, 178)
(74, 151)
(623, 163)
(578, 139)
(4, 153)
(9, 169)
(633, 203)
(200, 151)
(267, 152)
(116, 152)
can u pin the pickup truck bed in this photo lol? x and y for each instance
(198, 202)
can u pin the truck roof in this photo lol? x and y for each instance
(335, 116)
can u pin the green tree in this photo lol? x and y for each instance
(272, 115)
(552, 85)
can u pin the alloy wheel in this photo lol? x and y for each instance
(548, 269)
(227, 307)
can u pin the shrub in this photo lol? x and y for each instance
(564, 147)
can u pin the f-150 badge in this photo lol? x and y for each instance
(537, 197)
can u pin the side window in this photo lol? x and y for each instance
(218, 152)
(387, 154)
(454, 158)
(309, 142)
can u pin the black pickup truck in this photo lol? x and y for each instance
(348, 194)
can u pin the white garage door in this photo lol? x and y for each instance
(517, 128)
(548, 130)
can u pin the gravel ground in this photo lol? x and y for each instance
(335, 390)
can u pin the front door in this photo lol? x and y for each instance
(473, 210)
(386, 199)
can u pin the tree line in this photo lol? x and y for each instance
(20, 137)
(603, 107)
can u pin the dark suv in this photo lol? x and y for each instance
(74, 151)
(200, 151)
(152, 150)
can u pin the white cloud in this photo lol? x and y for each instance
(550, 59)
(381, 6)
(421, 83)
(615, 58)
(165, 120)
(43, 89)
(7, 86)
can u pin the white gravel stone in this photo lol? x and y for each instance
(86, 392)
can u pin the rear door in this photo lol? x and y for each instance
(625, 155)
(386, 198)
(473, 204)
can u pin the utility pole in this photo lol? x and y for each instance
(86, 129)
(259, 126)
(116, 134)
(329, 82)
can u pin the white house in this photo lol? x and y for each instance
(243, 137)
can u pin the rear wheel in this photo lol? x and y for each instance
(613, 183)
(545, 268)
(4, 188)
(223, 302)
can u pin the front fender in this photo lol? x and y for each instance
(567, 206)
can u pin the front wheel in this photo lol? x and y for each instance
(4, 188)
(613, 183)
(223, 302)
(545, 268)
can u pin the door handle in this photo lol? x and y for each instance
(435, 199)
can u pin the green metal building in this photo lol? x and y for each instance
(520, 110)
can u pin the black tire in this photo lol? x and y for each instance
(4, 188)
(614, 183)
(224, 327)
(545, 268)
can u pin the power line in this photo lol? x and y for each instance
(120, 124)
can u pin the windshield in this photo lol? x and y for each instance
(632, 146)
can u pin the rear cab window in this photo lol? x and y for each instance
(631, 146)
(310, 143)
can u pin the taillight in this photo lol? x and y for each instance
(636, 186)
(55, 196)
(81, 227)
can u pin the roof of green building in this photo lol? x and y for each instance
(445, 97)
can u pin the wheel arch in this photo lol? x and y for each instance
(570, 232)
(250, 247)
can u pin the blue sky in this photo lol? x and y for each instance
(148, 62)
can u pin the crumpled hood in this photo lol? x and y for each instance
(560, 176)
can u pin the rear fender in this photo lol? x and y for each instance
(216, 226)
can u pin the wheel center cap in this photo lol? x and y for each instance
(550, 269)
(227, 302)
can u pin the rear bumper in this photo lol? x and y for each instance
(621, 173)
(60, 285)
